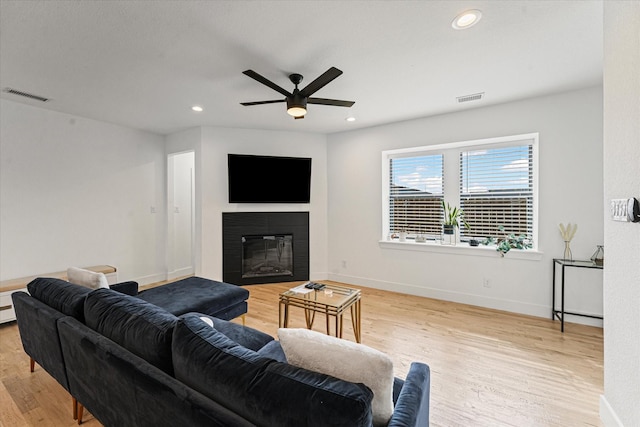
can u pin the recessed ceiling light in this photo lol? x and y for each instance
(466, 19)
(197, 108)
(350, 119)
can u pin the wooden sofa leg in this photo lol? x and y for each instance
(244, 317)
(80, 412)
(32, 364)
(74, 407)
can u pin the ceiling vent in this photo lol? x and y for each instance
(473, 97)
(25, 94)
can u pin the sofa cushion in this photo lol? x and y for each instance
(87, 278)
(250, 338)
(264, 391)
(138, 326)
(197, 294)
(343, 359)
(59, 294)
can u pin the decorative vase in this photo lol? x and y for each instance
(402, 236)
(598, 255)
(448, 235)
(567, 251)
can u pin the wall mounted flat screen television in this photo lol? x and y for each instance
(269, 179)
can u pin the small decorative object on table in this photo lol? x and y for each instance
(567, 232)
(598, 255)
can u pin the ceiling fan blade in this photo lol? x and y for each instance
(321, 81)
(266, 82)
(334, 102)
(246, 104)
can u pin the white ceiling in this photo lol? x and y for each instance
(143, 64)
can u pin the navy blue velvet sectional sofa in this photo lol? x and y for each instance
(132, 363)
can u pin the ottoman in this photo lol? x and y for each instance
(200, 295)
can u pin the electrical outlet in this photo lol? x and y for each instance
(485, 283)
(152, 209)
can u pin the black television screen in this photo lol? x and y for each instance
(269, 179)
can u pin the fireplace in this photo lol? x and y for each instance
(265, 247)
(264, 256)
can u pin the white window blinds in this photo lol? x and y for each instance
(415, 193)
(496, 189)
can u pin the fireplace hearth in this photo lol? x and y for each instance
(265, 247)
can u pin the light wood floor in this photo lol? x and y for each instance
(488, 368)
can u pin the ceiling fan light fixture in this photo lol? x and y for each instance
(466, 19)
(296, 111)
(297, 106)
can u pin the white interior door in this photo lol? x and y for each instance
(181, 214)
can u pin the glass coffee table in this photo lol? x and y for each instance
(332, 300)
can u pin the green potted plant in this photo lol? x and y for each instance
(508, 241)
(453, 218)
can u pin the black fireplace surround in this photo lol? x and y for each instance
(239, 226)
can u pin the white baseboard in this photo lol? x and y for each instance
(181, 272)
(463, 298)
(152, 278)
(608, 415)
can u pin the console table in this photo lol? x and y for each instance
(7, 287)
(566, 263)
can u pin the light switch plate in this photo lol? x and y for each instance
(619, 210)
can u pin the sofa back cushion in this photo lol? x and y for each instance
(262, 390)
(59, 294)
(140, 327)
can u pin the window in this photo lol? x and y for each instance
(493, 181)
(415, 194)
(496, 189)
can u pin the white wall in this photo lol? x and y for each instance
(78, 192)
(211, 187)
(620, 405)
(570, 128)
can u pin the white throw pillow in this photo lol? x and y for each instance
(87, 278)
(346, 360)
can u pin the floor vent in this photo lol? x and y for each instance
(473, 97)
(25, 94)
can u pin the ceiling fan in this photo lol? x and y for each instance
(298, 99)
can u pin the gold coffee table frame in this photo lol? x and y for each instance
(334, 305)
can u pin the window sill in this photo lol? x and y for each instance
(462, 248)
